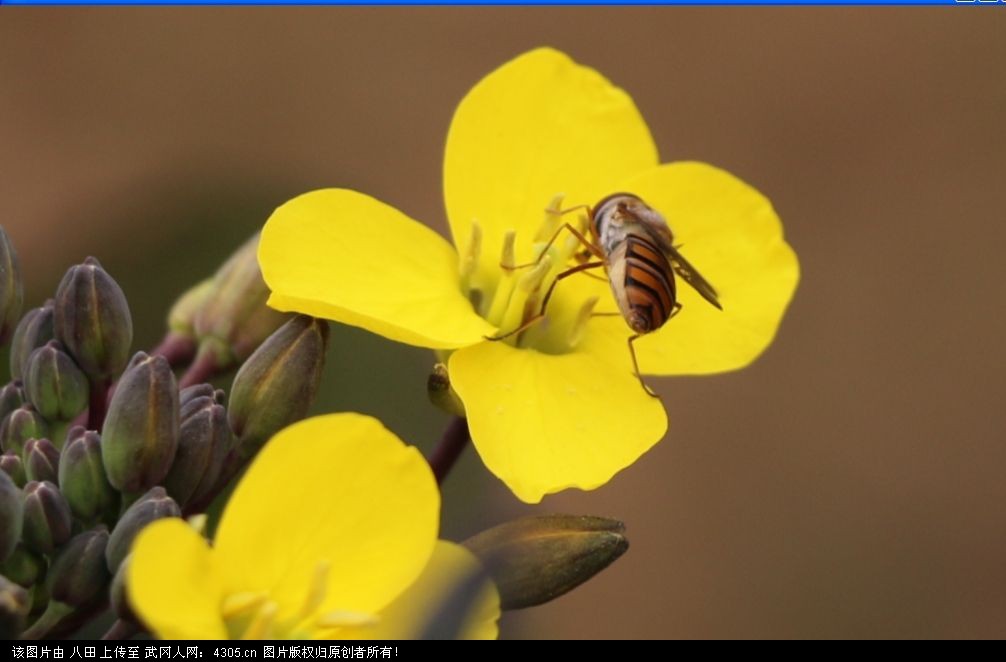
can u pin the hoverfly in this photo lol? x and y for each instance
(635, 246)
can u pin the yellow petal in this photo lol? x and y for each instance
(733, 237)
(345, 256)
(537, 126)
(408, 615)
(173, 583)
(543, 423)
(339, 490)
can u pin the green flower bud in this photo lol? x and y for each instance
(234, 319)
(47, 518)
(34, 330)
(154, 505)
(11, 398)
(118, 596)
(277, 384)
(92, 320)
(82, 478)
(11, 516)
(54, 383)
(13, 467)
(11, 287)
(536, 559)
(23, 567)
(78, 574)
(204, 439)
(14, 607)
(182, 316)
(442, 395)
(140, 435)
(41, 460)
(22, 424)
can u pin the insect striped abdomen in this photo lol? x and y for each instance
(649, 285)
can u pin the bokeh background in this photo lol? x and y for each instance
(849, 484)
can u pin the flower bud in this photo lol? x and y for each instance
(204, 439)
(54, 384)
(22, 424)
(11, 287)
(536, 559)
(182, 316)
(13, 467)
(14, 607)
(277, 384)
(23, 567)
(153, 505)
(78, 573)
(82, 478)
(118, 595)
(11, 398)
(47, 518)
(34, 330)
(92, 320)
(140, 435)
(41, 460)
(11, 516)
(442, 395)
(235, 319)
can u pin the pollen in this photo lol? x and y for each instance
(512, 297)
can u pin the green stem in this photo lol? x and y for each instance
(50, 618)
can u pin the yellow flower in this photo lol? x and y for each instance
(332, 533)
(556, 406)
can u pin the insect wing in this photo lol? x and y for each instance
(690, 275)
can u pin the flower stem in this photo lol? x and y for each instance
(120, 630)
(447, 452)
(176, 348)
(50, 618)
(98, 405)
(201, 370)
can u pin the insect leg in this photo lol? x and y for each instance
(588, 245)
(548, 295)
(635, 367)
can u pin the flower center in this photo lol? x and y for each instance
(526, 301)
(254, 615)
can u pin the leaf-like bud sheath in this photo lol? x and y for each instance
(153, 505)
(11, 516)
(14, 607)
(41, 460)
(442, 395)
(140, 435)
(78, 573)
(34, 330)
(54, 384)
(47, 518)
(22, 424)
(82, 478)
(536, 559)
(11, 287)
(23, 567)
(234, 320)
(92, 320)
(204, 439)
(11, 398)
(277, 384)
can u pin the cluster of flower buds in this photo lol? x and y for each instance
(96, 445)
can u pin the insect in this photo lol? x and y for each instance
(635, 246)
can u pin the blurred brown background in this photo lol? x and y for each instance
(849, 484)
